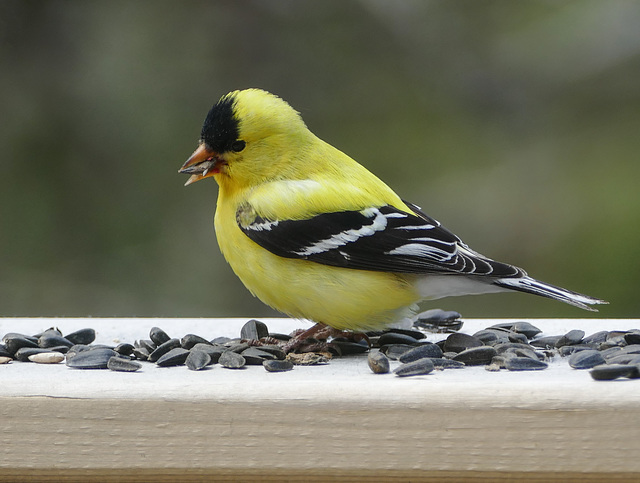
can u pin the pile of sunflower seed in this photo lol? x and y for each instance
(509, 346)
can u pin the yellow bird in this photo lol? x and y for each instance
(315, 235)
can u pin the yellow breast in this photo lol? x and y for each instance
(339, 297)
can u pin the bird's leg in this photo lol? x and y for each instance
(319, 334)
(300, 338)
(264, 341)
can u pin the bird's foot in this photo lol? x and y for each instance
(263, 341)
(301, 338)
(315, 339)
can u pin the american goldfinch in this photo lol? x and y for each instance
(315, 235)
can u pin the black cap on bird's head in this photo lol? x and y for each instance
(237, 120)
(219, 135)
(221, 126)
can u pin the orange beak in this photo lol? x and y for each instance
(201, 164)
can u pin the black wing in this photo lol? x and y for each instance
(377, 238)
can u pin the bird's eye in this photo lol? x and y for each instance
(238, 146)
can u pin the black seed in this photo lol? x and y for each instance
(502, 326)
(416, 334)
(189, 340)
(530, 353)
(632, 337)
(91, 359)
(375, 333)
(231, 360)
(214, 351)
(162, 349)
(614, 334)
(158, 336)
(393, 351)
(378, 362)
(59, 348)
(124, 349)
(220, 340)
(255, 357)
(4, 352)
(175, 357)
(73, 350)
(147, 344)
(524, 364)
(238, 347)
(611, 352)
(630, 359)
(491, 336)
(334, 350)
(278, 366)
(415, 368)
(396, 338)
(348, 347)
(12, 335)
(525, 328)
(50, 331)
(420, 352)
(507, 354)
(254, 330)
(258, 352)
(141, 353)
(498, 362)
(548, 342)
(197, 360)
(618, 341)
(275, 350)
(82, 336)
(518, 338)
(476, 356)
(459, 342)
(439, 320)
(437, 316)
(120, 364)
(572, 337)
(631, 349)
(13, 342)
(635, 373)
(49, 339)
(567, 350)
(373, 340)
(596, 338)
(608, 372)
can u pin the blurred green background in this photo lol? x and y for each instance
(516, 124)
